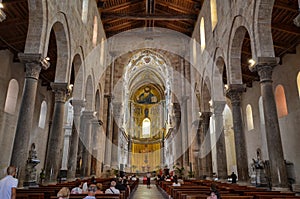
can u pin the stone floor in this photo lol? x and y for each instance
(142, 192)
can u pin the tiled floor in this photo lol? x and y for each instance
(142, 192)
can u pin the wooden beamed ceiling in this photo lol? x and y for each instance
(178, 15)
(149, 13)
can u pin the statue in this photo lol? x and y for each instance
(32, 161)
(258, 170)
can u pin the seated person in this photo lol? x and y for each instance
(63, 193)
(120, 185)
(112, 189)
(91, 192)
(176, 183)
(77, 189)
(214, 195)
(99, 188)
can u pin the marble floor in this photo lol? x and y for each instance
(142, 192)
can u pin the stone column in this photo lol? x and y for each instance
(56, 137)
(234, 92)
(68, 133)
(206, 144)
(33, 65)
(96, 123)
(196, 151)
(184, 132)
(73, 150)
(108, 142)
(117, 109)
(87, 117)
(177, 136)
(264, 68)
(220, 140)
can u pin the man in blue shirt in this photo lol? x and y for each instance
(9, 184)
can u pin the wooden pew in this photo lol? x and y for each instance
(30, 195)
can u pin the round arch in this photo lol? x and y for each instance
(262, 29)
(238, 31)
(89, 93)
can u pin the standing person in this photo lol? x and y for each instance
(148, 179)
(8, 185)
(233, 177)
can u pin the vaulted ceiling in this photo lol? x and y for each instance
(179, 15)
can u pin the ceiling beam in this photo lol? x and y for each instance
(291, 29)
(175, 7)
(286, 6)
(143, 16)
(121, 6)
(175, 27)
(121, 26)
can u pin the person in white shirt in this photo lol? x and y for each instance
(9, 184)
(112, 189)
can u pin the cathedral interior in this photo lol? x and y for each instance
(94, 86)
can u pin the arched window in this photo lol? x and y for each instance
(102, 51)
(249, 117)
(280, 101)
(95, 31)
(146, 128)
(11, 97)
(214, 15)
(202, 34)
(85, 9)
(298, 83)
(43, 114)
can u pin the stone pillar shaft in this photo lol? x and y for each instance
(33, 64)
(235, 93)
(206, 144)
(73, 150)
(108, 139)
(87, 117)
(277, 165)
(220, 140)
(56, 137)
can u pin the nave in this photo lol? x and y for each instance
(142, 192)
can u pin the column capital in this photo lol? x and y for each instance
(89, 114)
(264, 67)
(33, 64)
(77, 105)
(60, 91)
(234, 93)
